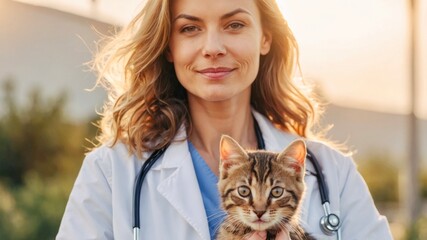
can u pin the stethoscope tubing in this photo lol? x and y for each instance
(138, 184)
(323, 188)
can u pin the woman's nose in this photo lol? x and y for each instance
(213, 45)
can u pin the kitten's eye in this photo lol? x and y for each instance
(244, 191)
(277, 192)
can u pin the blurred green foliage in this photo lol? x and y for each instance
(382, 177)
(381, 174)
(418, 231)
(40, 154)
(424, 184)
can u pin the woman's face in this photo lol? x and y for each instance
(215, 47)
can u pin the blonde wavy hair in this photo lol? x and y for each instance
(147, 105)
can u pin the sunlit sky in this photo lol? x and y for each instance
(356, 51)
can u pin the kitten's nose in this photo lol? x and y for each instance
(259, 213)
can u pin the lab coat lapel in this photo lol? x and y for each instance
(181, 188)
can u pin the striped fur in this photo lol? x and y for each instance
(261, 190)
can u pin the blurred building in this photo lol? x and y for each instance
(48, 49)
(374, 133)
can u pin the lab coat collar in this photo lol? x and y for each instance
(176, 153)
(275, 140)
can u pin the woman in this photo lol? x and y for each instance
(183, 73)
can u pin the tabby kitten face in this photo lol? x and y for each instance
(261, 190)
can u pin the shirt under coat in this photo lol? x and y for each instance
(100, 203)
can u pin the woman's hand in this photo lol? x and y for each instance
(258, 236)
(283, 235)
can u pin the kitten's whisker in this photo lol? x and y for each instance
(217, 215)
(305, 222)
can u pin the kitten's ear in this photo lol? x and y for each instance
(231, 153)
(294, 156)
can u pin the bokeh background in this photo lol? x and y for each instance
(367, 65)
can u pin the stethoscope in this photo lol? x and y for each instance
(329, 223)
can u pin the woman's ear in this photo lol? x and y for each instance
(266, 41)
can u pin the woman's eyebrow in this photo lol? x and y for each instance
(186, 16)
(225, 16)
(232, 13)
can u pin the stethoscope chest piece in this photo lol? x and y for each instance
(330, 223)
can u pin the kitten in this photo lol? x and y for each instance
(261, 190)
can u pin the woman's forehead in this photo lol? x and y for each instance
(206, 8)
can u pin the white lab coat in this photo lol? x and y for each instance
(100, 204)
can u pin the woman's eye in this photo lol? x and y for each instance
(277, 192)
(189, 29)
(244, 191)
(235, 26)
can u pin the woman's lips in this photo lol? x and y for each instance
(216, 73)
